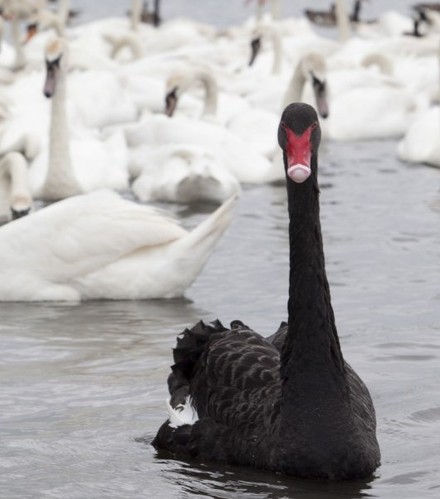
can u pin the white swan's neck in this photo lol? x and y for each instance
(2, 30)
(128, 40)
(63, 11)
(276, 9)
(211, 93)
(188, 79)
(259, 10)
(296, 86)
(438, 62)
(272, 33)
(383, 62)
(342, 20)
(15, 184)
(20, 60)
(60, 181)
(52, 20)
(277, 50)
(136, 11)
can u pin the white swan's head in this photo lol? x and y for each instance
(315, 70)
(382, 61)
(56, 61)
(260, 35)
(21, 205)
(180, 81)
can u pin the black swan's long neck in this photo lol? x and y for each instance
(312, 365)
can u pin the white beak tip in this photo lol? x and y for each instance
(299, 173)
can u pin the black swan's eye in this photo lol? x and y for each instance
(315, 125)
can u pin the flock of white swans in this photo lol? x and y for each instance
(176, 113)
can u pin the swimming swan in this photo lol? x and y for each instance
(76, 166)
(101, 246)
(289, 403)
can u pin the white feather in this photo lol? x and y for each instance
(183, 414)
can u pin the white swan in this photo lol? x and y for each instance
(255, 126)
(212, 105)
(421, 143)
(185, 174)
(15, 195)
(100, 246)
(74, 166)
(179, 82)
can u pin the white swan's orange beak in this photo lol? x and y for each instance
(299, 154)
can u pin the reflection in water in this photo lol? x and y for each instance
(232, 482)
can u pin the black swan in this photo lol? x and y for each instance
(288, 403)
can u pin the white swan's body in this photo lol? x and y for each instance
(421, 143)
(15, 195)
(241, 160)
(367, 118)
(367, 104)
(100, 246)
(184, 174)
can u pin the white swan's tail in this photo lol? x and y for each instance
(192, 251)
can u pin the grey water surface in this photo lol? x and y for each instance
(83, 386)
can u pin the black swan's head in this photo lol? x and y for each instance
(55, 56)
(299, 135)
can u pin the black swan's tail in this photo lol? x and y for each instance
(190, 346)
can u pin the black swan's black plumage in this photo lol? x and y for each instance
(287, 403)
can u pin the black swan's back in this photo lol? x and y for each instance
(233, 379)
(288, 403)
